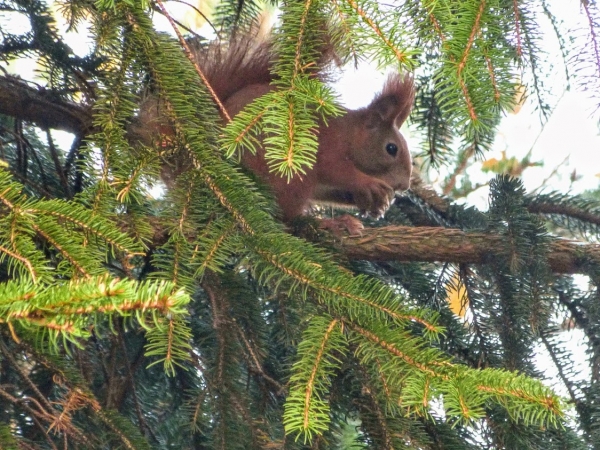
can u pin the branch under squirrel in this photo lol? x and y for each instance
(431, 244)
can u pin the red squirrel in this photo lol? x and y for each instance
(362, 158)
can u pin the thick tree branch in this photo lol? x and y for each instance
(429, 244)
(18, 99)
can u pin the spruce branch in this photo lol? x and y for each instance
(306, 411)
(169, 340)
(435, 244)
(463, 61)
(17, 257)
(131, 381)
(532, 53)
(254, 365)
(54, 221)
(299, 66)
(370, 19)
(463, 161)
(381, 300)
(343, 23)
(564, 51)
(189, 54)
(241, 133)
(553, 351)
(42, 107)
(10, 358)
(464, 390)
(377, 421)
(120, 427)
(67, 310)
(517, 13)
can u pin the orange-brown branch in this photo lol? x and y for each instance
(434, 244)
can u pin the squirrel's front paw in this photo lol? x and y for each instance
(345, 223)
(373, 198)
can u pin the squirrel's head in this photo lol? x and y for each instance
(377, 148)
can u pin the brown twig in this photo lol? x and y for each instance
(254, 363)
(468, 154)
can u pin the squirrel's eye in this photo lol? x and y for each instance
(392, 149)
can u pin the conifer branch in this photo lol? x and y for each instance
(306, 412)
(346, 29)
(490, 67)
(568, 383)
(401, 56)
(474, 31)
(319, 286)
(211, 255)
(310, 385)
(218, 324)
(66, 254)
(593, 37)
(131, 381)
(241, 136)
(190, 56)
(533, 53)
(436, 24)
(42, 107)
(298, 68)
(68, 309)
(434, 244)
(465, 156)
(35, 414)
(23, 260)
(461, 65)
(391, 348)
(385, 434)
(516, 393)
(254, 363)
(108, 419)
(7, 354)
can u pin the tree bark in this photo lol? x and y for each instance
(44, 108)
(431, 244)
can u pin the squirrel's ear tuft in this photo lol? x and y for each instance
(393, 105)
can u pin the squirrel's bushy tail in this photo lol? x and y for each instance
(230, 67)
(247, 59)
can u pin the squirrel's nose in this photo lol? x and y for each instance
(403, 185)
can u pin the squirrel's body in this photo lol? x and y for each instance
(361, 159)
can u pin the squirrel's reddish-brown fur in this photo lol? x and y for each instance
(362, 158)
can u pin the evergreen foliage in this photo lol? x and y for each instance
(196, 320)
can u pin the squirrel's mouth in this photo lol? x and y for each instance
(403, 185)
